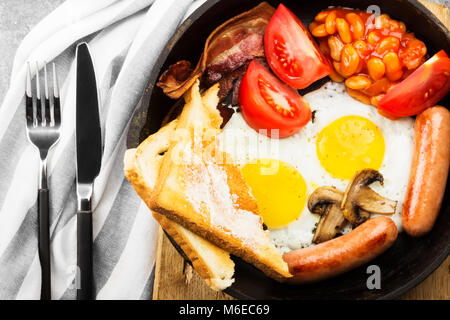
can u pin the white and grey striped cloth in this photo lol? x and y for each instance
(125, 38)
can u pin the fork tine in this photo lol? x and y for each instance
(46, 121)
(56, 102)
(38, 97)
(29, 98)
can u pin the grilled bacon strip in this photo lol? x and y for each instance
(229, 47)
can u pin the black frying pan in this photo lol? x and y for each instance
(409, 261)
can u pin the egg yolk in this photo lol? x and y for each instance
(350, 144)
(278, 188)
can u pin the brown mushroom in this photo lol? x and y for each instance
(360, 201)
(326, 201)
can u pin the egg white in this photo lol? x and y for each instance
(328, 103)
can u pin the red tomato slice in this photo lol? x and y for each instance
(422, 89)
(291, 51)
(268, 104)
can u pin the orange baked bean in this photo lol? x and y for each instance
(337, 68)
(319, 31)
(377, 87)
(362, 48)
(413, 54)
(358, 82)
(376, 68)
(335, 45)
(376, 99)
(312, 26)
(323, 45)
(336, 77)
(388, 44)
(393, 66)
(321, 16)
(392, 85)
(371, 54)
(357, 25)
(358, 95)
(330, 22)
(401, 27)
(382, 21)
(373, 38)
(349, 60)
(344, 30)
(394, 25)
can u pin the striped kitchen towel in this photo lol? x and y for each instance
(125, 38)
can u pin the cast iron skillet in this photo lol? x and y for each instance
(409, 261)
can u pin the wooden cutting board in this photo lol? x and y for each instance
(175, 279)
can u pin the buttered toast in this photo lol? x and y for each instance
(141, 169)
(201, 189)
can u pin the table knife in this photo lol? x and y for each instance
(88, 158)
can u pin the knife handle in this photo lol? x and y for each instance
(44, 243)
(84, 255)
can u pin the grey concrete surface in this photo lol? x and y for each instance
(17, 17)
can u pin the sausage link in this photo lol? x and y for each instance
(342, 254)
(429, 171)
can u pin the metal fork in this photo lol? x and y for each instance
(43, 130)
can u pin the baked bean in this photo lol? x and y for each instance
(391, 85)
(412, 56)
(376, 68)
(349, 60)
(336, 77)
(393, 66)
(373, 38)
(394, 25)
(382, 21)
(330, 22)
(376, 99)
(335, 45)
(358, 82)
(323, 45)
(321, 16)
(377, 87)
(358, 95)
(344, 30)
(371, 54)
(337, 68)
(357, 25)
(312, 26)
(388, 44)
(362, 48)
(319, 31)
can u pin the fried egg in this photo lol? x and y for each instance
(343, 137)
(279, 189)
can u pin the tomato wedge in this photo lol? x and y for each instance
(422, 89)
(291, 51)
(268, 104)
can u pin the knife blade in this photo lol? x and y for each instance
(89, 157)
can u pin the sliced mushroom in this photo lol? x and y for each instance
(326, 201)
(360, 200)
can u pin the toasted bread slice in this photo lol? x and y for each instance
(141, 169)
(201, 189)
